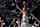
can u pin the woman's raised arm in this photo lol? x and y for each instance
(19, 9)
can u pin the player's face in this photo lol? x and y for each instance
(23, 2)
(0, 18)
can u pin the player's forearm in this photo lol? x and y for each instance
(20, 10)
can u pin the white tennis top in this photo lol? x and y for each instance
(25, 18)
(24, 15)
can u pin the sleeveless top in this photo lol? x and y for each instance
(24, 16)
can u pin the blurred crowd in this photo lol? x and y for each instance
(12, 17)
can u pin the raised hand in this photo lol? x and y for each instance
(17, 6)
